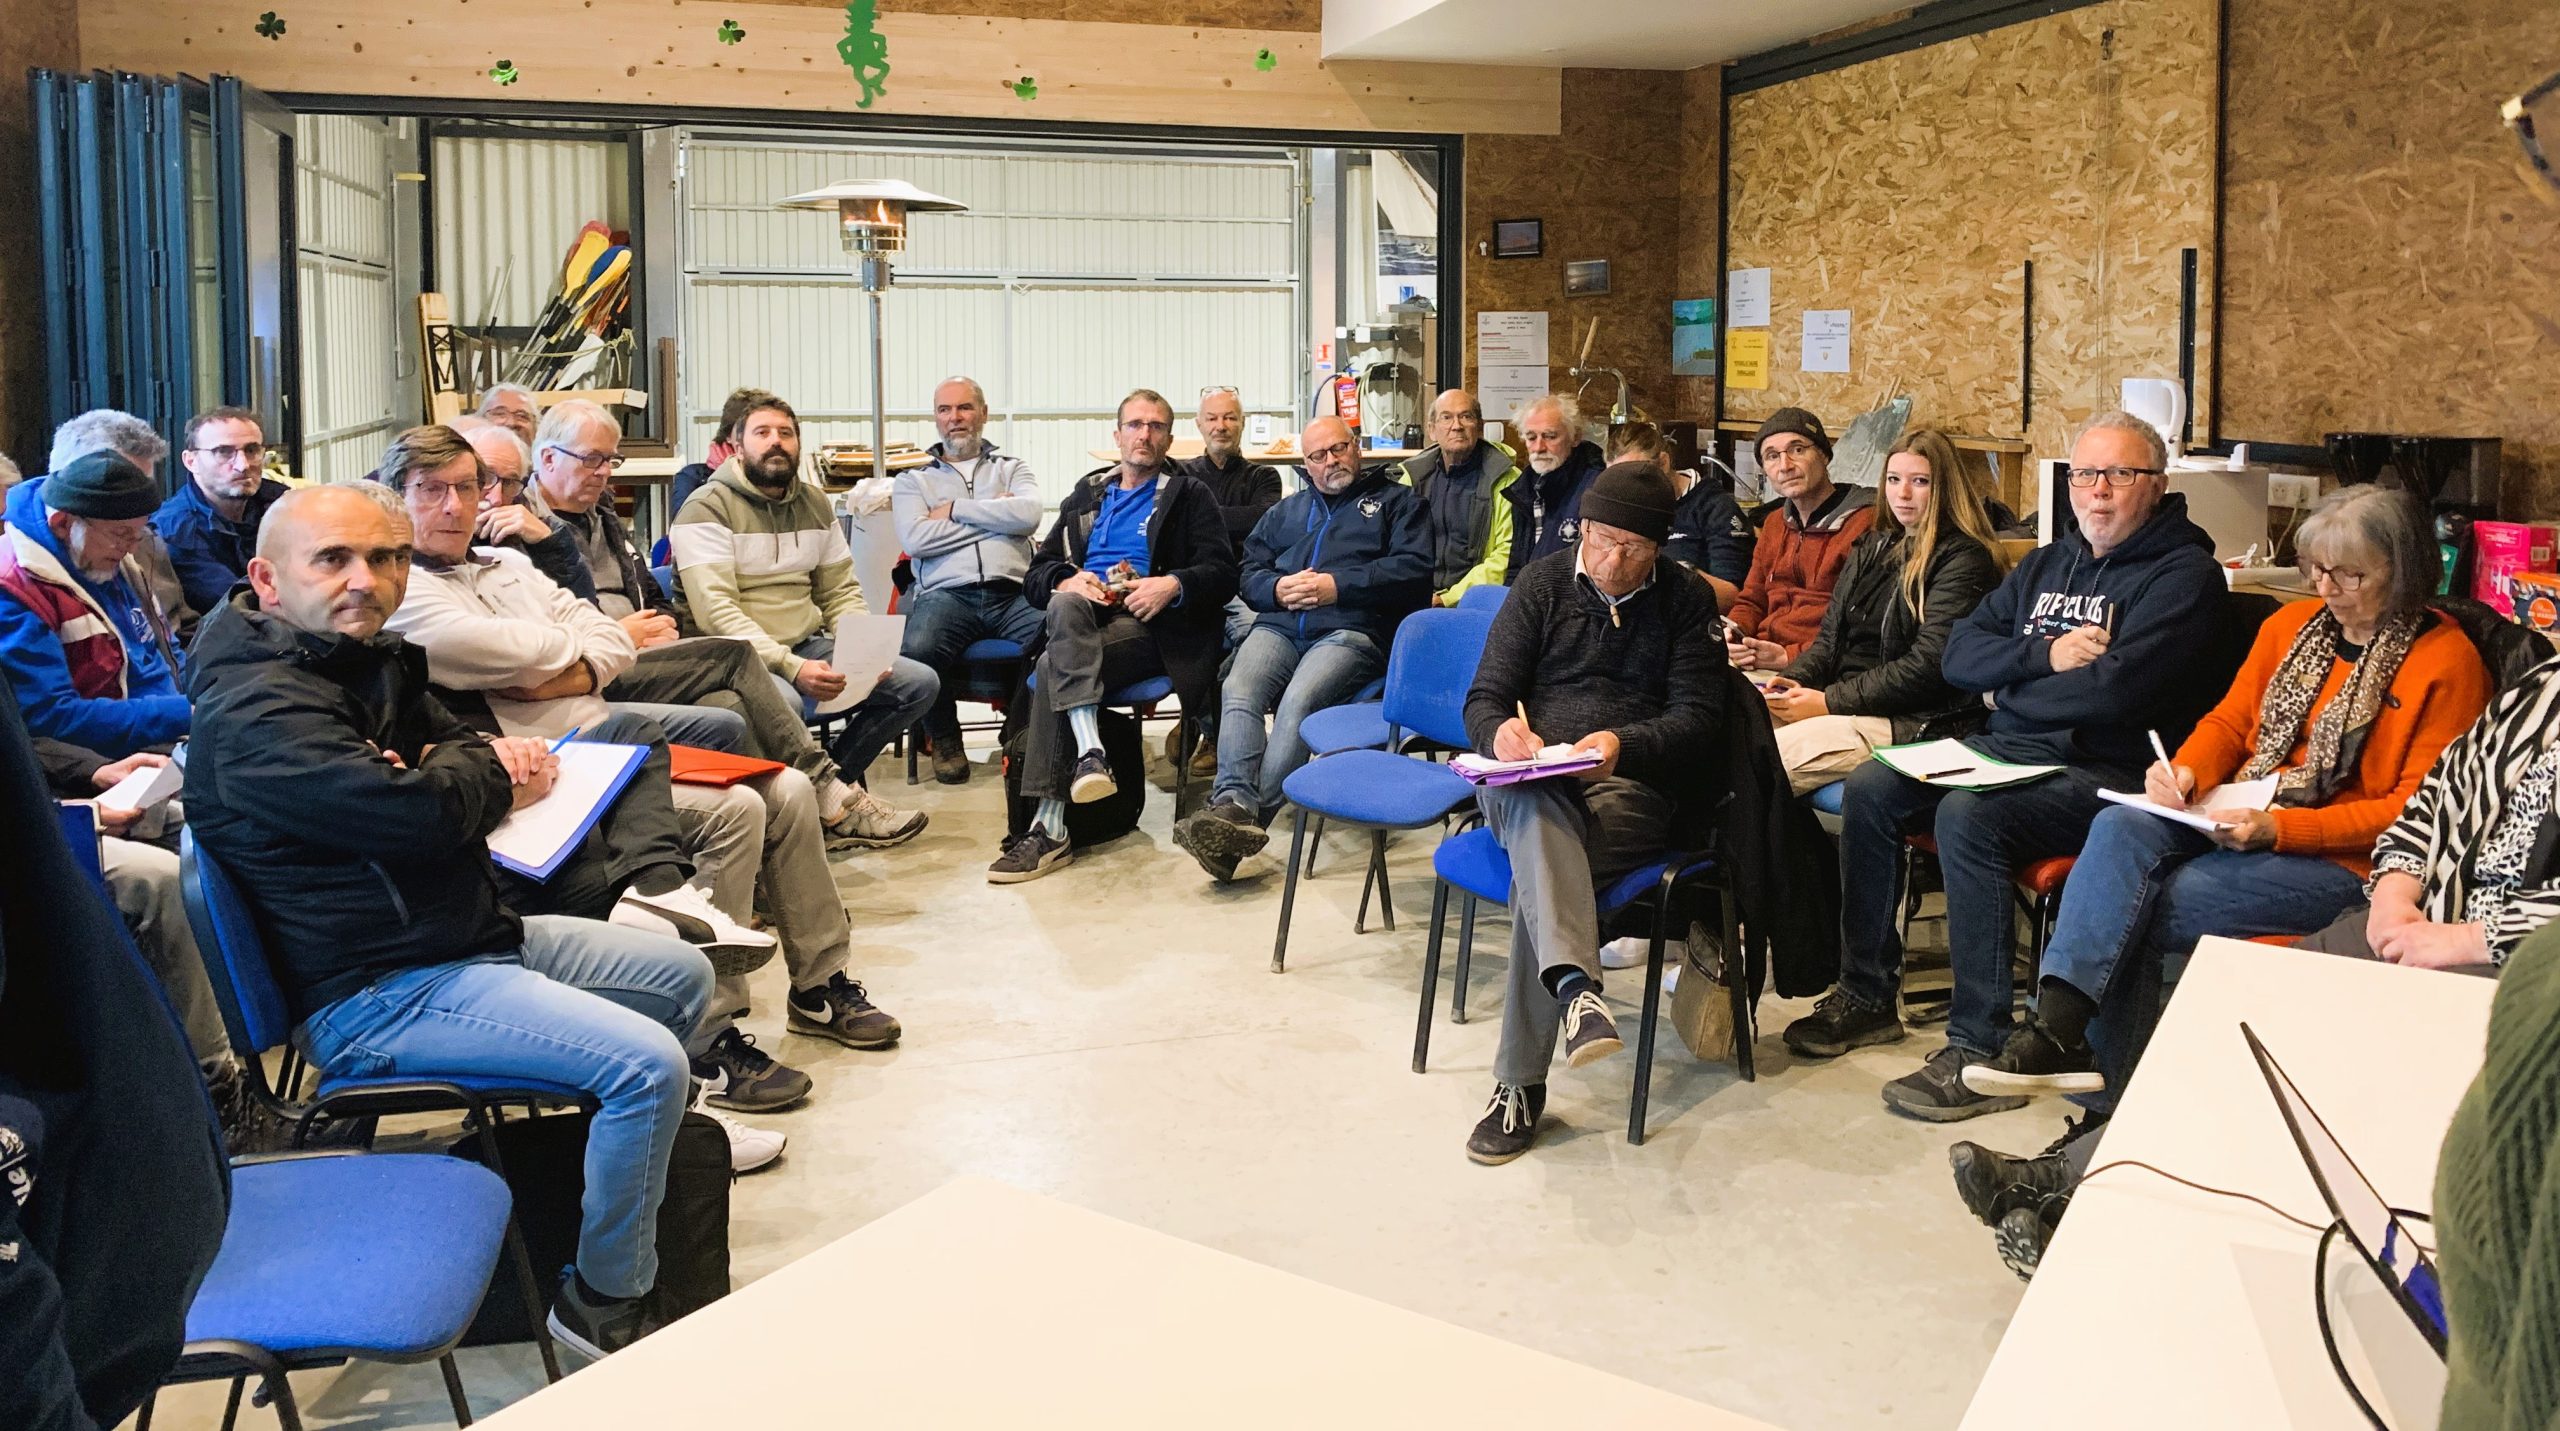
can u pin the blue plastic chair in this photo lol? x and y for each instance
(1429, 669)
(255, 1021)
(1482, 598)
(1357, 724)
(1475, 864)
(991, 664)
(328, 1258)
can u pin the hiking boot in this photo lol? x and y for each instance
(840, 1010)
(1210, 854)
(1204, 761)
(1221, 836)
(1509, 1124)
(1937, 1093)
(1984, 1177)
(1840, 1023)
(2023, 1231)
(750, 1149)
(1590, 1030)
(737, 1074)
(596, 1326)
(951, 762)
(2034, 1062)
(686, 913)
(1092, 779)
(1030, 855)
(872, 823)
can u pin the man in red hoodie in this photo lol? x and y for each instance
(1802, 545)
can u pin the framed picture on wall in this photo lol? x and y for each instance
(1587, 278)
(1519, 238)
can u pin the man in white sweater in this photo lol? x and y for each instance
(503, 637)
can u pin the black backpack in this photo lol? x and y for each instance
(1090, 824)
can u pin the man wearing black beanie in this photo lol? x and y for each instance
(1609, 647)
(85, 646)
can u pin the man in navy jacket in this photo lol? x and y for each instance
(210, 524)
(1328, 572)
(2091, 643)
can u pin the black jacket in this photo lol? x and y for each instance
(1245, 490)
(1708, 532)
(113, 1189)
(1785, 868)
(1875, 657)
(1187, 539)
(354, 867)
(1373, 539)
(1546, 512)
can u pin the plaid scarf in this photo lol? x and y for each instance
(2338, 735)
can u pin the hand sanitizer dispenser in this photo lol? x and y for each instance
(2162, 402)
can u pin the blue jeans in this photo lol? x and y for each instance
(2145, 890)
(1984, 838)
(1275, 676)
(892, 706)
(707, 727)
(591, 1005)
(942, 622)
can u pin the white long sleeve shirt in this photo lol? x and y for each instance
(493, 621)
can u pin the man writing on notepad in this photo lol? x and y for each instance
(1607, 647)
(2088, 644)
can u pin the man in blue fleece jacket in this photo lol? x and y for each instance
(2089, 644)
(85, 644)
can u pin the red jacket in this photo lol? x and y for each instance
(1795, 564)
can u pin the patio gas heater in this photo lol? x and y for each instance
(871, 217)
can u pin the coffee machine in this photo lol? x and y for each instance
(2456, 477)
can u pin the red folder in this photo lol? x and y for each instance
(696, 766)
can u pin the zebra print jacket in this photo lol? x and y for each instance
(2481, 836)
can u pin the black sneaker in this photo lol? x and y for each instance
(2023, 1230)
(1210, 853)
(2035, 1062)
(1221, 837)
(1590, 1030)
(1030, 855)
(743, 1078)
(1984, 1178)
(1509, 1124)
(951, 762)
(596, 1327)
(840, 1010)
(1092, 780)
(1937, 1094)
(1840, 1023)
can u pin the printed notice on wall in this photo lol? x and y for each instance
(1826, 340)
(1747, 290)
(1502, 387)
(1746, 358)
(1510, 340)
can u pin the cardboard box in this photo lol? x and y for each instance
(2534, 599)
(2501, 549)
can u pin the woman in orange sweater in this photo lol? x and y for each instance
(2343, 704)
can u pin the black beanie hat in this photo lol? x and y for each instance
(1798, 421)
(103, 486)
(1631, 496)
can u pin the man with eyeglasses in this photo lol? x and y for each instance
(1245, 490)
(1134, 577)
(2089, 646)
(210, 524)
(1465, 485)
(1329, 572)
(1802, 546)
(513, 407)
(511, 518)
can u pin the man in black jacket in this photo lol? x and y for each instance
(353, 809)
(1245, 490)
(1329, 572)
(1608, 647)
(1546, 500)
(1135, 576)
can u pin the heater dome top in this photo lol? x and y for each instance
(893, 191)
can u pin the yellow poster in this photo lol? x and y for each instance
(1746, 358)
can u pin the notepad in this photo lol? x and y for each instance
(1958, 766)
(537, 839)
(865, 645)
(145, 787)
(2235, 795)
(1546, 764)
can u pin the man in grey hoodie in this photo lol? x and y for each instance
(965, 520)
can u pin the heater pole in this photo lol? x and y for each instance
(875, 279)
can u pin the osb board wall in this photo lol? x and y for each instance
(1232, 14)
(2387, 267)
(1912, 189)
(1701, 217)
(38, 33)
(1607, 186)
(665, 52)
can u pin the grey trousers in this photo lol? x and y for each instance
(1091, 649)
(1565, 839)
(717, 671)
(765, 833)
(144, 880)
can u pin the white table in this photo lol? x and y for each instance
(982, 1306)
(2157, 1306)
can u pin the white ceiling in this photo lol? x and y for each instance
(1586, 34)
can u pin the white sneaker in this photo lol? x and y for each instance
(1628, 953)
(686, 913)
(873, 823)
(749, 1148)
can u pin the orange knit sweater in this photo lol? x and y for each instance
(2440, 691)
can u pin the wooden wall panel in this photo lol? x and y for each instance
(1910, 190)
(38, 33)
(1607, 186)
(2389, 268)
(1695, 274)
(1231, 14)
(663, 52)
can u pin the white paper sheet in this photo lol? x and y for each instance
(591, 774)
(2236, 795)
(1511, 338)
(865, 645)
(1747, 290)
(1502, 387)
(1826, 340)
(144, 788)
(1954, 764)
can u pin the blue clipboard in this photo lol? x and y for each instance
(593, 774)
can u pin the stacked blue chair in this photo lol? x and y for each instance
(1429, 669)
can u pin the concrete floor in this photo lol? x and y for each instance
(1111, 1036)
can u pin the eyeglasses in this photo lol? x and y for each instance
(1457, 418)
(1140, 424)
(1335, 453)
(1210, 392)
(1794, 451)
(2114, 476)
(508, 487)
(2518, 113)
(1615, 546)
(588, 460)
(252, 453)
(436, 494)
(2346, 581)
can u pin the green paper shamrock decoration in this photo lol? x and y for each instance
(865, 50)
(1265, 61)
(270, 26)
(504, 72)
(730, 32)
(1023, 88)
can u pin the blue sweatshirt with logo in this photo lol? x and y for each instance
(1373, 539)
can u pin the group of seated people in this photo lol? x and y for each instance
(363, 680)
